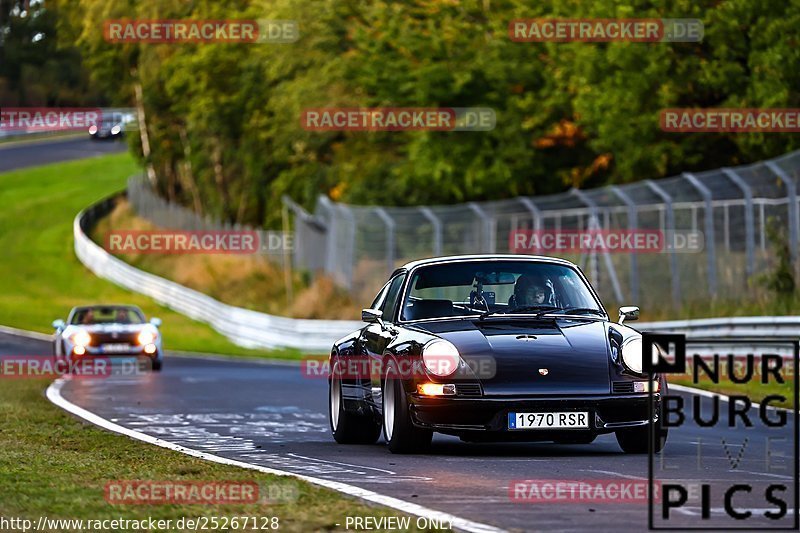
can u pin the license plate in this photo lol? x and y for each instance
(121, 347)
(549, 420)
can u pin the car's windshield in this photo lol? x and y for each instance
(495, 287)
(107, 315)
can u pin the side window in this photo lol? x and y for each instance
(378, 301)
(391, 298)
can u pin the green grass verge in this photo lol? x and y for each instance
(49, 467)
(43, 136)
(754, 390)
(40, 277)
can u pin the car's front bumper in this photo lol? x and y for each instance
(132, 351)
(487, 417)
(105, 135)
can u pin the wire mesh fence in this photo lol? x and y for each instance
(730, 208)
(149, 205)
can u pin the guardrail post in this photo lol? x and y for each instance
(488, 227)
(330, 245)
(670, 222)
(349, 259)
(709, 228)
(436, 224)
(633, 225)
(390, 225)
(594, 224)
(794, 217)
(536, 213)
(749, 220)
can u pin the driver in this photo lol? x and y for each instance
(532, 290)
(88, 317)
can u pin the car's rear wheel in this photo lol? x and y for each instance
(348, 428)
(400, 433)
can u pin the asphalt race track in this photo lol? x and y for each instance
(269, 414)
(29, 154)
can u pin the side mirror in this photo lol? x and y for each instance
(58, 324)
(156, 322)
(371, 316)
(628, 312)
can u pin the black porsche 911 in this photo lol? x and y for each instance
(492, 348)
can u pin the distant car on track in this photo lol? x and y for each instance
(111, 126)
(108, 330)
(492, 348)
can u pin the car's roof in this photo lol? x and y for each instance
(484, 257)
(104, 306)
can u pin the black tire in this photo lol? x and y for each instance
(346, 427)
(636, 440)
(157, 365)
(400, 433)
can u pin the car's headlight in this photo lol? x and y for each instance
(632, 355)
(115, 130)
(147, 336)
(81, 338)
(441, 358)
(92, 130)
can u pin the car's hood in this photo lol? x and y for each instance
(535, 357)
(109, 328)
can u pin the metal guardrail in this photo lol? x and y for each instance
(252, 329)
(243, 327)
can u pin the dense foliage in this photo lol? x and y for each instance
(35, 69)
(223, 120)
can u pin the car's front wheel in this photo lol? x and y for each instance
(636, 440)
(401, 435)
(348, 428)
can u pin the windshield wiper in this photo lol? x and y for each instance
(567, 310)
(523, 309)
